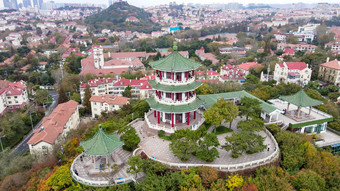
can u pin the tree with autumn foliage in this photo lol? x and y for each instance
(86, 100)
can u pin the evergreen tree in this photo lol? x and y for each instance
(62, 95)
(127, 92)
(86, 101)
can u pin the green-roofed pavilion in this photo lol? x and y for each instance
(300, 99)
(101, 143)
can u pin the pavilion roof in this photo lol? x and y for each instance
(101, 143)
(301, 99)
(175, 62)
(175, 108)
(175, 88)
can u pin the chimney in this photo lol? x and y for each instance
(109, 54)
(327, 59)
(130, 80)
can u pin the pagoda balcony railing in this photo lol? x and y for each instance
(174, 102)
(174, 82)
(156, 126)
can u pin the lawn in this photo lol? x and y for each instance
(221, 130)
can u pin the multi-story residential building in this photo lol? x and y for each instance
(333, 46)
(13, 96)
(238, 70)
(106, 103)
(293, 72)
(231, 73)
(330, 72)
(54, 128)
(98, 86)
(297, 47)
(139, 88)
(206, 56)
(208, 75)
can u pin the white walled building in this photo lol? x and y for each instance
(13, 96)
(292, 72)
(54, 128)
(139, 88)
(106, 103)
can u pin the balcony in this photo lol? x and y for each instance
(166, 81)
(169, 101)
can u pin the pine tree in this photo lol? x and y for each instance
(127, 92)
(62, 95)
(86, 101)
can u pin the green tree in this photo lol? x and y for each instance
(135, 165)
(62, 95)
(41, 97)
(292, 40)
(131, 139)
(60, 179)
(204, 89)
(127, 92)
(86, 100)
(182, 146)
(272, 178)
(206, 149)
(242, 142)
(308, 180)
(250, 107)
(251, 125)
(39, 31)
(76, 97)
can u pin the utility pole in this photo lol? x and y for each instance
(2, 148)
(31, 120)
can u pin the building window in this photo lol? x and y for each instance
(15, 96)
(10, 102)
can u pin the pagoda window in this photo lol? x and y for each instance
(168, 95)
(179, 76)
(168, 116)
(179, 96)
(168, 75)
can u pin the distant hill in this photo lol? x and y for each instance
(114, 18)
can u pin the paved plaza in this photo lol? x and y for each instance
(159, 148)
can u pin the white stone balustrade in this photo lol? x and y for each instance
(175, 102)
(175, 82)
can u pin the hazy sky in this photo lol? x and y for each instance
(145, 3)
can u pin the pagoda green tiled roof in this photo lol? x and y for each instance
(175, 62)
(175, 88)
(210, 99)
(101, 143)
(174, 108)
(301, 99)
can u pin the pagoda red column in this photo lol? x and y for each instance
(158, 117)
(154, 112)
(188, 118)
(194, 92)
(173, 76)
(194, 114)
(193, 72)
(160, 75)
(172, 119)
(159, 94)
(187, 75)
(173, 96)
(187, 95)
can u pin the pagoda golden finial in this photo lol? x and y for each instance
(175, 46)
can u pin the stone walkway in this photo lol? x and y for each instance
(159, 148)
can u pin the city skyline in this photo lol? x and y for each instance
(159, 2)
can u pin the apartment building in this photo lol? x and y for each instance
(139, 88)
(13, 96)
(54, 128)
(293, 72)
(106, 103)
(330, 72)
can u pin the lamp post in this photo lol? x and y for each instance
(2, 148)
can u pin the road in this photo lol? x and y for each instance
(22, 147)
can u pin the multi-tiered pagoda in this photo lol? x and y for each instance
(174, 104)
